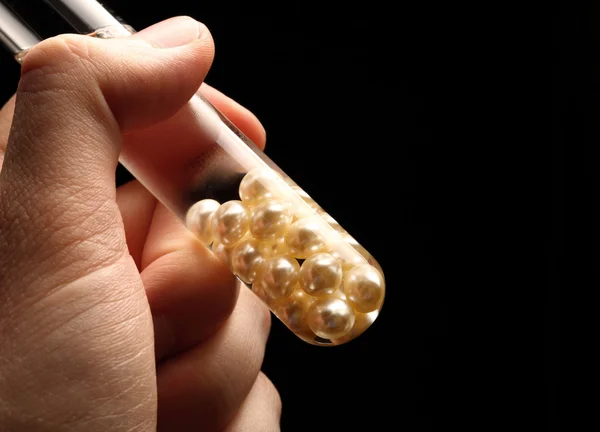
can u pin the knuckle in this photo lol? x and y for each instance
(61, 57)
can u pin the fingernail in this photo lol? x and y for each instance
(173, 32)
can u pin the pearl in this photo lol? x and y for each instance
(258, 185)
(222, 253)
(278, 276)
(339, 294)
(303, 238)
(269, 250)
(330, 318)
(292, 311)
(245, 259)
(361, 250)
(230, 222)
(361, 323)
(270, 220)
(260, 293)
(320, 274)
(364, 287)
(199, 217)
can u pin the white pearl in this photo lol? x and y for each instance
(320, 274)
(270, 220)
(361, 250)
(293, 312)
(304, 238)
(199, 217)
(278, 276)
(270, 250)
(364, 287)
(258, 185)
(230, 222)
(330, 318)
(222, 253)
(361, 323)
(245, 259)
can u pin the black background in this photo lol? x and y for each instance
(376, 110)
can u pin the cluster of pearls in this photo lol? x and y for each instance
(283, 256)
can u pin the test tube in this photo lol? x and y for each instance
(310, 272)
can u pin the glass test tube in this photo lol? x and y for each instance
(311, 273)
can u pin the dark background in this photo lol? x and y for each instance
(377, 110)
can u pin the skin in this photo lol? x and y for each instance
(112, 316)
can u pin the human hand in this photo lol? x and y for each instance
(112, 315)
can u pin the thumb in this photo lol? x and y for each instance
(77, 94)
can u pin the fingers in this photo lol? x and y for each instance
(203, 388)
(6, 116)
(237, 114)
(190, 292)
(139, 83)
(75, 97)
(261, 411)
(136, 206)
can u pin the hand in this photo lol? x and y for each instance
(112, 316)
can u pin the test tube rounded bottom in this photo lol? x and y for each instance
(314, 277)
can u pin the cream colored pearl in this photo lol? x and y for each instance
(260, 293)
(199, 217)
(278, 276)
(361, 323)
(320, 274)
(222, 253)
(361, 250)
(375, 264)
(303, 238)
(364, 287)
(269, 250)
(339, 294)
(270, 220)
(245, 259)
(330, 318)
(258, 185)
(230, 222)
(293, 311)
